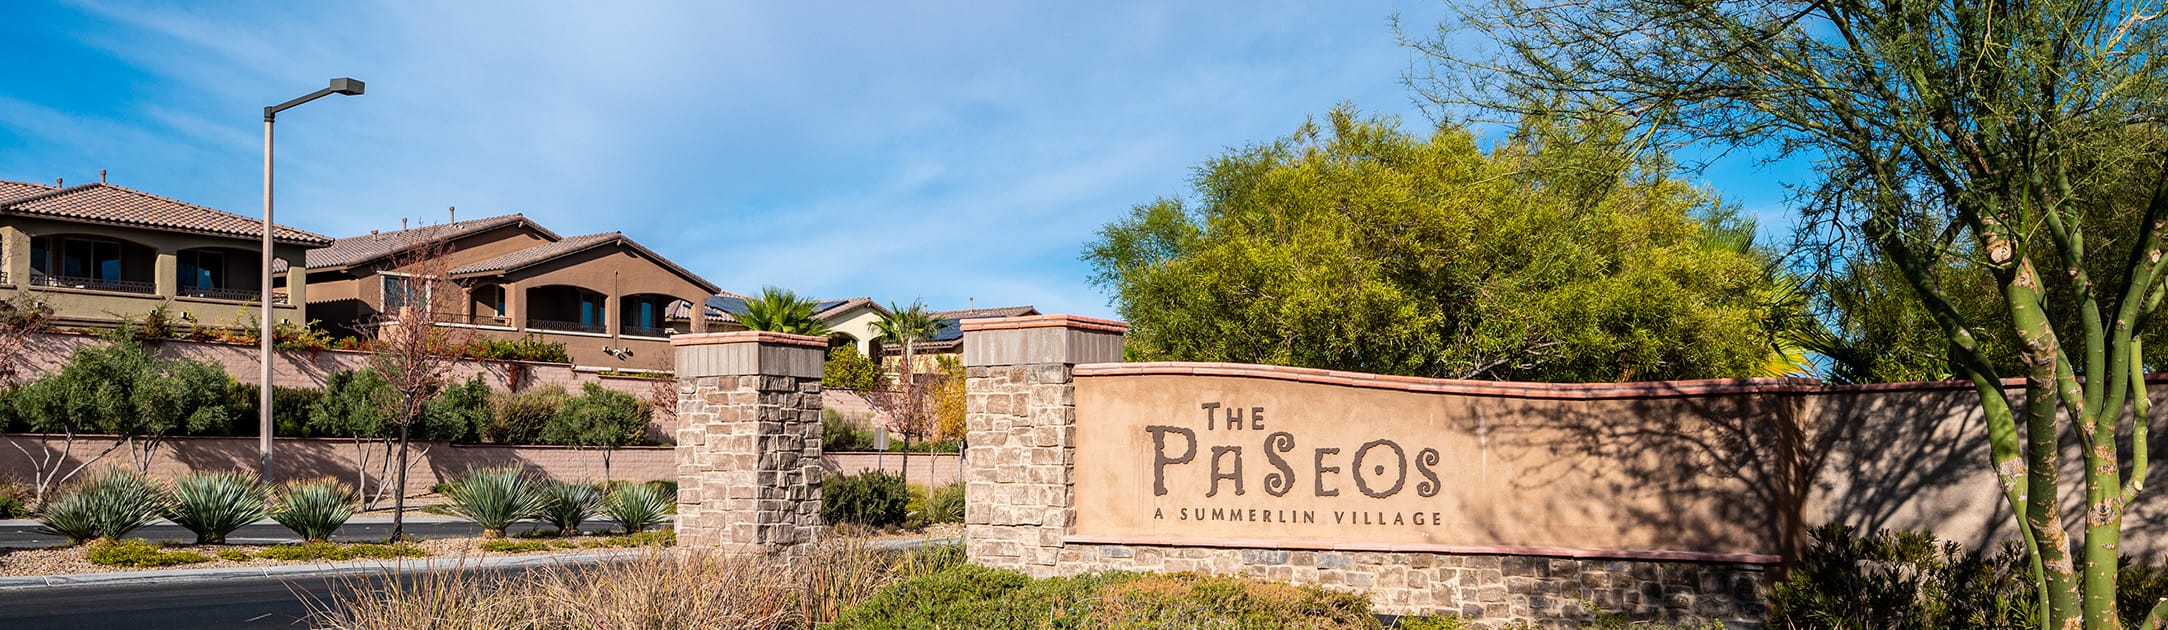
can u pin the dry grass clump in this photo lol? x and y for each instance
(660, 589)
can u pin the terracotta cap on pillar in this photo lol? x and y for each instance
(747, 353)
(1042, 339)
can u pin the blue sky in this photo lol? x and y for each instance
(944, 151)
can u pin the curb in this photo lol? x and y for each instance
(327, 569)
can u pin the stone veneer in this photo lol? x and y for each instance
(1489, 590)
(1020, 513)
(749, 441)
(1020, 420)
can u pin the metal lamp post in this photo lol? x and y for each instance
(341, 85)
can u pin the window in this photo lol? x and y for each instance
(41, 251)
(96, 260)
(497, 301)
(403, 291)
(201, 270)
(591, 310)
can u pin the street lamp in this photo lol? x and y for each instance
(340, 85)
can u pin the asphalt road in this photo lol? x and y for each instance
(231, 603)
(21, 534)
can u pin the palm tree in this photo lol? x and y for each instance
(906, 327)
(780, 310)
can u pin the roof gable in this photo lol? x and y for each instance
(360, 250)
(573, 245)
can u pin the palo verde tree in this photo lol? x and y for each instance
(1353, 245)
(1948, 135)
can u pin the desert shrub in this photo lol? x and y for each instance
(873, 498)
(496, 497)
(637, 507)
(320, 550)
(841, 435)
(1903, 579)
(137, 553)
(314, 509)
(14, 497)
(235, 555)
(290, 408)
(213, 504)
(107, 506)
(940, 504)
(656, 590)
(567, 504)
(599, 417)
(519, 417)
(458, 414)
(970, 596)
(2138, 587)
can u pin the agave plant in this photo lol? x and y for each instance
(638, 506)
(314, 508)
(495, 498)
(106, 506)
(213, 504)
(567, 504)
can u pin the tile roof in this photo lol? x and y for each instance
(566, 247)
(998, 311)
(11, 190)
(105, 203)
(356, 250)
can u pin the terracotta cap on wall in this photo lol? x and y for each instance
(1076, 322)
(748, 336)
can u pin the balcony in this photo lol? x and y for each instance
(76, 282)
(549, 324)
(238, 295)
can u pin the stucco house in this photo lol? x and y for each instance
(948, 340)
(100, 253)
(602, 295)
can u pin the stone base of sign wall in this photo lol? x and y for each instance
(1491, 590)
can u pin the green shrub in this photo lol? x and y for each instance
(940, 504)
(841, 435)
(520, 546)
(332, 551)
(872, 498)
(136, 553)
(847, 368)
(290, 409)
(528, 348)
(519, 417)
(970, 596)
(495, 498)
(14, 496)
(637, 506)
(107, 506)
(1900, 579)
(458, 414)
(567, 504)
(2137, 588)
(213, 504)
(314, 509)
(599, 417)
(235, 555)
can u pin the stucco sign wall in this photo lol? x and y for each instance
(1290, 459)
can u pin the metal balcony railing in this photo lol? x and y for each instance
(74, 282)
(643, 331)
(480, 319)
(545, 324)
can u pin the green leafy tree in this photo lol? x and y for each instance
(600, 418)
(780, 310)
(1559, 255)
(458, 414)
(118, 388)
(353, 407)
(2018, 139)
(847, 368)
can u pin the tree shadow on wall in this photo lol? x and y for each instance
(1743, 472)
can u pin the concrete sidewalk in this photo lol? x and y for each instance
(358, 520)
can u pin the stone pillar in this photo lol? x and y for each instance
(1020, 432)
(749, 441)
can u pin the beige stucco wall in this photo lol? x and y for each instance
(1737, 467)
(858, 323)
(91, 307)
